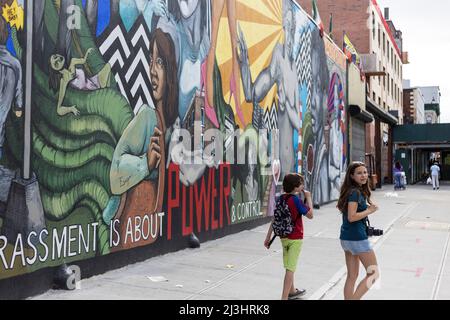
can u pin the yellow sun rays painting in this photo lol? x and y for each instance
(261, 24)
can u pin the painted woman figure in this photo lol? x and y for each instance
(187, 24)
(61, 77)
(137, 170)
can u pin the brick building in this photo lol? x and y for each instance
(413, 106)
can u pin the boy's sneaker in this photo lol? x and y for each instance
(299, 293)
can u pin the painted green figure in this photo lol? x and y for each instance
(61, 77)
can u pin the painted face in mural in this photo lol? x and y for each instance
(289, 32)
(320, 80)
(157, 74)
(187, 7)
(57, 62)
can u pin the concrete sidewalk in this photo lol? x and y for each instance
(412, 256)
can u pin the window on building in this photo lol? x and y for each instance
(379, 101)
(373, 25)
(384, 105)
(379, 68)
(379, 36)
(384, 43)
(373, 96)
(388, 82)
(392, 87)
(202, 115)
(392, 56)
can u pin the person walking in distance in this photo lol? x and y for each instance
(398, 172)
(292, 239)
(435, 171)
(356, 205)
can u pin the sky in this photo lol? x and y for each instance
(426, 37)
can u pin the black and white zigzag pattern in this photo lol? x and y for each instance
(271, 118)
(128, 54)
(258, 117)
(303, 62)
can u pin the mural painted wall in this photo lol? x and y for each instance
(153, 120)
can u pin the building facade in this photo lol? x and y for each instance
(359, 115)
(413, 106)
(364, 23)
(432, 100)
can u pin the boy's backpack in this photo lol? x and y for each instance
(282, 224)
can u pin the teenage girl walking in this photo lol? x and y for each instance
(355, 205)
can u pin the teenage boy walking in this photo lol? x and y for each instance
(293, 185)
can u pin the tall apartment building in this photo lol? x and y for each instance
(413, 106)
(383, 60)
(432, 100)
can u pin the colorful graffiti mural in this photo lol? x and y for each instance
(153, 120)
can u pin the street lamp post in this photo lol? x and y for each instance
(26, 174)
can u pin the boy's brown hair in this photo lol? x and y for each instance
(292, 181)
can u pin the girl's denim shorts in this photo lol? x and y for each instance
(356, 247)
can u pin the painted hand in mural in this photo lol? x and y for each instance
(62, 111)
(88, 53)
(159, 7)
(154, 150)
(244, 63)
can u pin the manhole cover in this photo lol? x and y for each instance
(424, 225)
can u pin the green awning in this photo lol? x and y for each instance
(434, 107)
(422, 133)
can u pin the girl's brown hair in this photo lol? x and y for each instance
(166, 50)
(350, 185)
